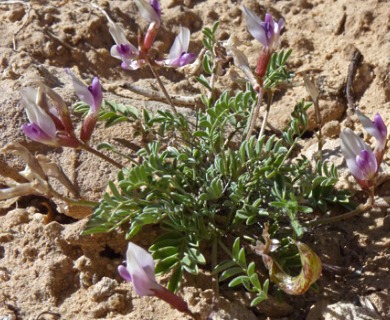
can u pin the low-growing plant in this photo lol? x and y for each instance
(227, 196)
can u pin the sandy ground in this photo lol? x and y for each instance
(48, 271)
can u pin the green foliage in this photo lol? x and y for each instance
(217, 185)
(241, 273)
(277, 70)
(111, 112)
(201, 181)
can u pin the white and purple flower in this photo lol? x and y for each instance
(123, 49)
(178, 54)
(92, 95)
(150, 11)
(360, 159)
(48, 123)
(139, 270)
(377, 129)
(267, 32)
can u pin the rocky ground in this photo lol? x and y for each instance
(49, 271)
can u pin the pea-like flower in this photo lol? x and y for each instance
(92, 96)
(267, 32)
(139, 270)
(361, 161)
(151, 12)
(178, 54)
(377, 129)
(48, 123)
(123, 49)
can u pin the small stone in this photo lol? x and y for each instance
(53, 230)
(6, 237)
(17, 14)
(331, 129)
(14, 218)
(103, 289)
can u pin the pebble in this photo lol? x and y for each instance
(14, 218)
(103, 289)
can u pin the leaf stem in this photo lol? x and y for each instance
(75, 202)
(265, 117)
(162, 87)
(214, 262)
(101, 155)
(255, 113)
(360, 209)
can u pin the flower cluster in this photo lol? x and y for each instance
(361, 160)
(134, 58)
(48, 115)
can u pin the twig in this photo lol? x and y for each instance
(101, 155)
(265, 117)
(103, 11)
(65, 44)
(55, 314)
(75, 202)
(10, 172)
(24, 23)
(314, 93)
(357, 59)
(255, 113)
(155, 95)
(360, 209)
(162, 87)
(341, 25)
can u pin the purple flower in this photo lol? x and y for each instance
(178, 55)
(376, 128)
(139, 270)
(92, 96)
(123, 49)
(155, 4)
(150, 11)
(48, 124)
(267, 32)
(361, 161)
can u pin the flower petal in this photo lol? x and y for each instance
(156, 6)
(37, 115)
(81, 89)
(186, 58)
(35, 133)
(180, 44)
(367, 164)
(254, 25)
(351, 147)
(140, 265)
(376, 128)
(124, 273)
(96, 90)
(147, 11)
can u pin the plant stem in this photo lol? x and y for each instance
(162, 87)
(265, 117)
(214, 262)
(319, 124)
(255, 113)
(360, 209)
(101, 155)
(75, 202)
